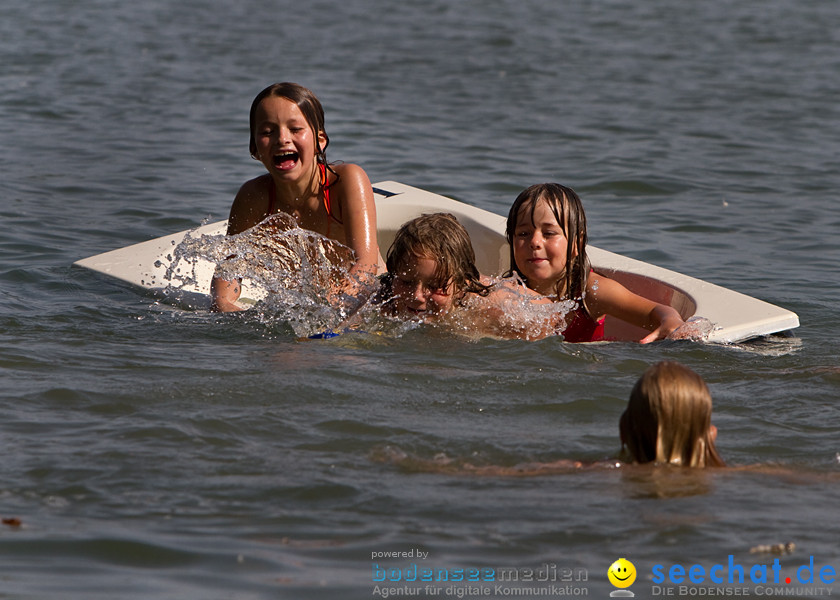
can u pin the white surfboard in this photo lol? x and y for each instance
(736, 317)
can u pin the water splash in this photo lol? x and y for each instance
(521, 317)
(510, 312)
(299, 277)
(695, 328)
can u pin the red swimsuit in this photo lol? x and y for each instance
(582, 327)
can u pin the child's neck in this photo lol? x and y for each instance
(298, 193)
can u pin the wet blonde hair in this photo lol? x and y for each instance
(668, 419)
(439, 237)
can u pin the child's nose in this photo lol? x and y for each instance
(419, 294)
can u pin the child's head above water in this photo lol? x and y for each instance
(431, 265)
(546, 230)
(668, 419)
(309, 105)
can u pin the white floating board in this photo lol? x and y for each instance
(737, 317)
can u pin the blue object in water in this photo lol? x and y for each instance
(324, 335)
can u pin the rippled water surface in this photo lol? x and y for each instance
(154, 452)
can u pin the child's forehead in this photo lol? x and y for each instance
(273, 108)
(422, 265)
(415, 261)
(540, 209)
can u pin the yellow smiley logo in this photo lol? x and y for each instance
(622, 573)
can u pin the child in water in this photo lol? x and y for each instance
(667, 422)
(432, 277)
(668, 419)
(336, 201)
(546, 230)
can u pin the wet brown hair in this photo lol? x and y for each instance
(568, 210)
(668, 418)
(439, 237)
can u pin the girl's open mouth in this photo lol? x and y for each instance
(285, 160)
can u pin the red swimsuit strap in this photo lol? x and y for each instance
(326, 187)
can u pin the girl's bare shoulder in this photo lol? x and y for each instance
(349, 170)
(351, 180)
(251, 204)
(258, 185)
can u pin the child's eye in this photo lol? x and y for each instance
(440, 288)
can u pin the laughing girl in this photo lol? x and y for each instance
(334, 200)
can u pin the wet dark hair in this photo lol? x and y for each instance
(442, 238)
(309, 106)
(568, 210)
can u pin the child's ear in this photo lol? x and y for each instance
(322, 141)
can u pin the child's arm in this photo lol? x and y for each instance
(512, 311)
(249, 208)
(224, 294)
(605, 296)
(358, 211)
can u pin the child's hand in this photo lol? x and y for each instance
(669, 320)
(695, 328)
(658, 334)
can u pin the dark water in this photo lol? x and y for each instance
(149, 452)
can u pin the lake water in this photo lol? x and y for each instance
(152, 452)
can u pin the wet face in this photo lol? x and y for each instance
(539, 247)
(286, 144)
(418, 293)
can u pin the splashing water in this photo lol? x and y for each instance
(516, 315)
(695, 328)
(510, 311)
(299, 277)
